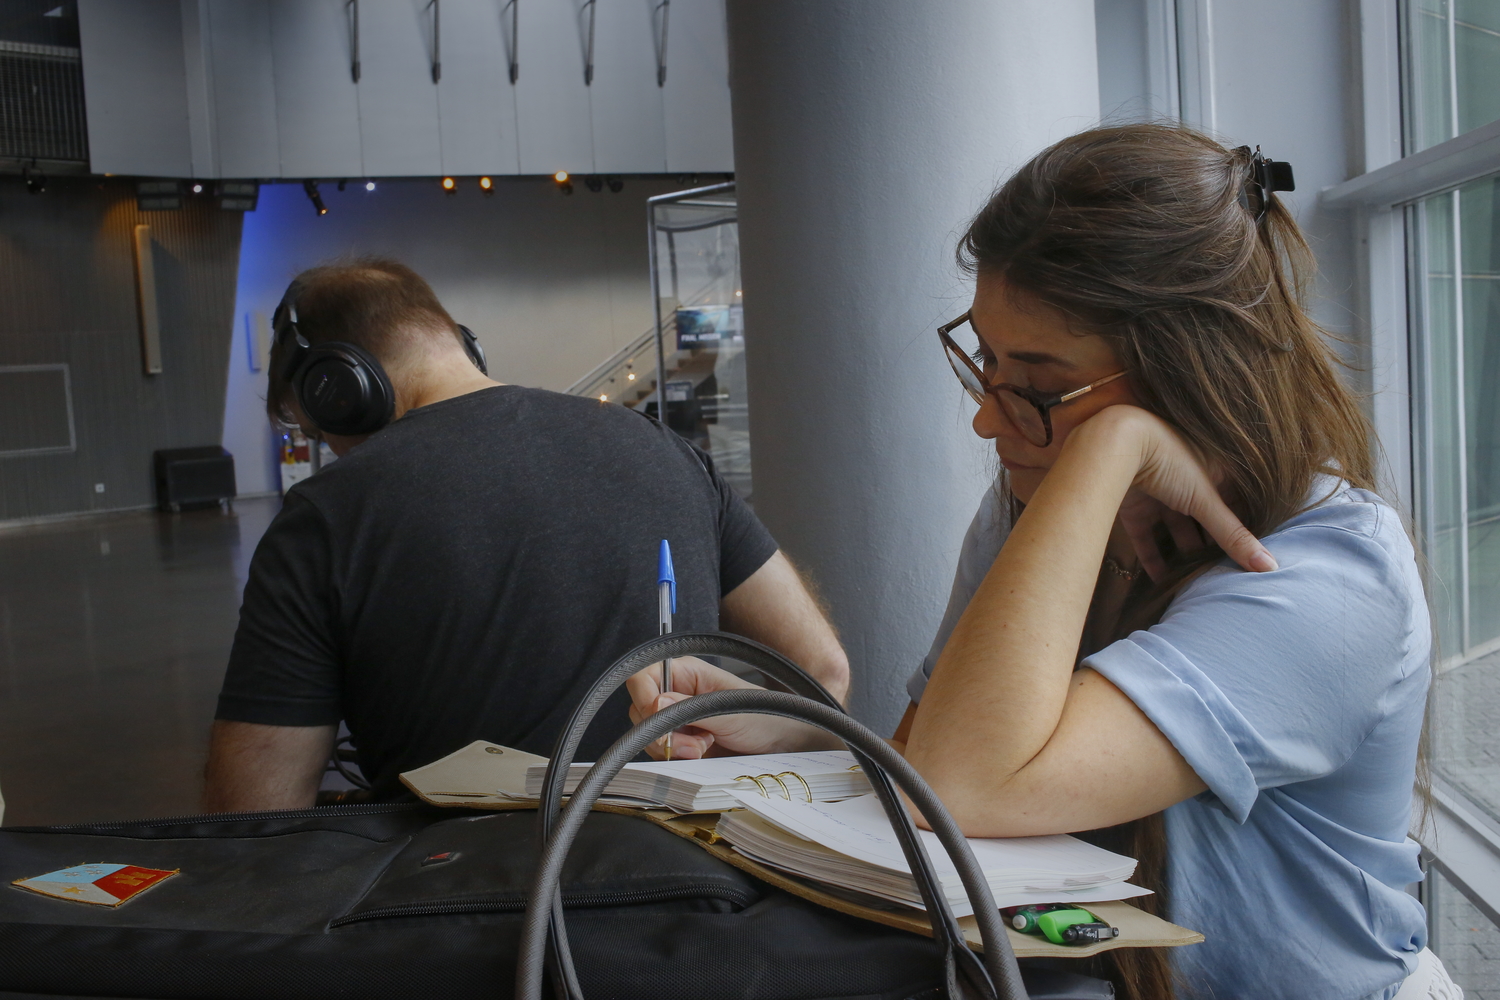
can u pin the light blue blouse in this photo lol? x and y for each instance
(1297, 696)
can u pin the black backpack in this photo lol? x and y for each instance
(405, 901)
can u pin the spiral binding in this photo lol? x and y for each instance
(760, 778)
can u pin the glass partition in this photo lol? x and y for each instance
(699, 337)
(695, 256)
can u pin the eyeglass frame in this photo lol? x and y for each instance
(1042, 402)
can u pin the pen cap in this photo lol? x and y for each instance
(664, 572)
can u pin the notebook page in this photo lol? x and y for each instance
(726, 770)
(859, 828)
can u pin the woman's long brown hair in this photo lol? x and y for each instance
(1147, 235)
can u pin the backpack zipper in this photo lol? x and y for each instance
(600, 899)
(344, 809)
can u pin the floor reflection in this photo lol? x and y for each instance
(114, 633)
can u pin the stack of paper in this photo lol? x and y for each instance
(717, 783)
(850, 844)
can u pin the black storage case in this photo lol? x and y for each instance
(347, 903)
(194, 477)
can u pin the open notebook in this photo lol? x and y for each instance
(717, 783)
(850, 845)
(487, 775)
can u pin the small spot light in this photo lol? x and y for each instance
(616, 184)
(630, 377)
(564, 184)
(487, 186)
(311, 187)
(603, 399)
(738, 293)
(36, 181)
(197, 189)
(450, 186)
(594, 183)
(561, 177)
(369, 185)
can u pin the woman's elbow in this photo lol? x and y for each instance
(985, 804)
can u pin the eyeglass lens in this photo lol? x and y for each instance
(1026, 417)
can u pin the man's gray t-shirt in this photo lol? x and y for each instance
(1297, 696)
(468, 572)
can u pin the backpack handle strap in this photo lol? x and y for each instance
(781, 670)
(998, 976)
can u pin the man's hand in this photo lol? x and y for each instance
(254, 768)
(728, 735)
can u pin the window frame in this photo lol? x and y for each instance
(1457, 838)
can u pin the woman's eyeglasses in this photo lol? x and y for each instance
(1028, 409)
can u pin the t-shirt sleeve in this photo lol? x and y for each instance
(1264, 679)
(982, 544)
(744, 543)
(284, 665)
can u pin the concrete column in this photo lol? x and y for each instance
(866, 133)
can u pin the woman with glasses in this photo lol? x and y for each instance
(1184, 624)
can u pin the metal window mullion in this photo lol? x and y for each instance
(1461, 421)
(1452, 68)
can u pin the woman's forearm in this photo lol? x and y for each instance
(999, 687)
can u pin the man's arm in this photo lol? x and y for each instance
(774, 608)
(254, 768)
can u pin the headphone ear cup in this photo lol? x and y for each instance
(344, 390)
(475, 349)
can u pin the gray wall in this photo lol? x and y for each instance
(264, 88)
(67, 285)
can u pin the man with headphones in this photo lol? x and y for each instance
(477, 556)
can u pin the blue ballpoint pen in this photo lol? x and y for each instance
(666, 606)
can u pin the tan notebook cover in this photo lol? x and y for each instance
(476, 776)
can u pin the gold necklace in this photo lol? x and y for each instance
(1113, 565)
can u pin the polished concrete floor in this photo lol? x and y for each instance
(114, 633)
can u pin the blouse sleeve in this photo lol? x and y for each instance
(1264, 679)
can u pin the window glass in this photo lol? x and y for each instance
(1463, 937)
(1451, 55)
(1456, 365)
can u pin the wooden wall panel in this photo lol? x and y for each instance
(67, 295)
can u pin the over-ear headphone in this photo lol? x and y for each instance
(340, 386)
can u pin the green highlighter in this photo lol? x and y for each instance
(1076, 927)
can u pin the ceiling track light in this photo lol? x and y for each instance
(450, 186)
(594, 183)
(36, 181)
(487, 186)
(369, 185)
(563, 181)
(616, 183)
(311, 187)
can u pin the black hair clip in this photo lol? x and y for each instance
(1266, 176)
